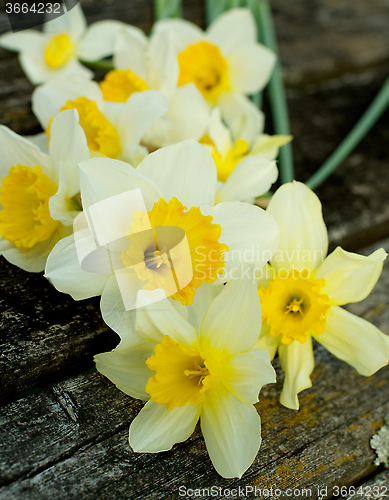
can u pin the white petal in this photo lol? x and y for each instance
(162, 64)
(157, 429)
(356, 341)
(267, 342)
(195, 313)
(268, 145)
(233, 321)
(130, 51)
(28, 41)
(40, 140)
(63, 270)
(59, 203)
(158, 319)
(251, 234)
(99, 41)
(250, 68)
(32, 259)
(16, 149)
(185, 171)
(189, 115)
(103, 178)
(350, 277)
(127, 368)
(304, 239)
(49, 98)
(252, 177)
(219, 133)
(68, 145)
(298, 363)
(183, 32)
(246, 373)
(232, 29)
(232, 432)
(243, 118)
(72, 22)
(139, 113)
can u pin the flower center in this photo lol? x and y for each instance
(25, 216)
(294, 307)
(101, 135)
(59, 51)
(203, 64)
(225, 166)
(181, 376)
(119, 84)
(160, 257)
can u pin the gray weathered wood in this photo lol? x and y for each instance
(377, 487)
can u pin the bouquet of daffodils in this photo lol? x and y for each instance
(142, 189)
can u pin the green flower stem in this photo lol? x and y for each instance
(277, 96)
(165, 9)
(358, 132)
(105, 65)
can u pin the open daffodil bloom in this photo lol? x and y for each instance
(38, 190)
(202, 368)
(177, 242)
(301, 292)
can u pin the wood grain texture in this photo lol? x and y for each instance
(71, 440)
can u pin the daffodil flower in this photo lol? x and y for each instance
(178, 186)
(245, 161)
(223, 61)
(141, 64)
(110, 130)
(39, 193)
(204, 367)
(64, 40)
(301, 292)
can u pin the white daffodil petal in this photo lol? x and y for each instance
(17, 150)
(232, 29)
(60, 205)
(139, 113)
(355, 340)
(130, 51)
(63, 270)
(157, 429)
(127, 368)
(68, 144)
(39, 140)
(72, 22)
(250, 68)
(195, 313)
(252, 177)
(162, 65)
(99, 41)
(32, 259)
(304, 239)
(267, 342)
(219, 133)
(245, 373)
(103, 178)
(183, 32)
(189, 115)
(251, 234)
(154, 321)
(268, 145)
(48, 99)
(241, 115)
(29, 41)
(35, 68)
(350, 277)
(232, 432)
(185, 171)
(233, 320)
(298, 363)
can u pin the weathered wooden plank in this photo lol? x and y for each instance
(71, 441)
(377, 487)
(44, 335)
